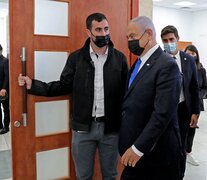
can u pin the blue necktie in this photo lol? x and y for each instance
(135, 71)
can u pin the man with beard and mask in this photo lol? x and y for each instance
(149, 141)
(95, 76)
(189, 105)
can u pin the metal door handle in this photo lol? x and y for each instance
(24, 90)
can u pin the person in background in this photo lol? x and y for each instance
(95, 76)
(192, 51)
(4, 93)
(149, 142)
(188, 107)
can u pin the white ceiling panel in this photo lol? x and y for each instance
(199, 4)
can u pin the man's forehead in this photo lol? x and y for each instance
(102, 23)
(169, 35)
(132, 28)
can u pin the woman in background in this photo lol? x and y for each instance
(192, 51)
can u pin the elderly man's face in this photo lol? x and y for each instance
(138, 38)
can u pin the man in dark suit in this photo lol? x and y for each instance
(4, 91)
(188, 108)
(149, 142)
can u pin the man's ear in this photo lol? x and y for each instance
(178, 38)
(149, 32)
(88, 32)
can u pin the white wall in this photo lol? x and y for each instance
(3, 27)
(145, 8)
(191, 27)
(199, 31)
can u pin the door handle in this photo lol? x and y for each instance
(24, 90)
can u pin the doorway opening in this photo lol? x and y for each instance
(5, 138)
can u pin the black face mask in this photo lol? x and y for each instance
(101, 41)
(134, 46)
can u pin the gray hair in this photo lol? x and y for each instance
(144, 23)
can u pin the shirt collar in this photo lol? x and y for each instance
(176, 55)
(92, 51)
(149, 53)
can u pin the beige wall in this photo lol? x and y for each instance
(145, 8)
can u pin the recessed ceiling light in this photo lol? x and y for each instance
(157, 0)
(185, 3)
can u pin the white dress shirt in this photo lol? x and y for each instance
(98, 102)
(178, 61)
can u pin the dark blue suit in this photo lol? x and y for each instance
(190, 83)
(149, 120)
(191, 104)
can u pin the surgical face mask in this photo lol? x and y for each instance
(134, 46)
(101, 41)
(170, 47)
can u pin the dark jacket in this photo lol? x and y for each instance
(78, 78)
(202, 83)
(149, 119)
(190, 83)
(4, 73)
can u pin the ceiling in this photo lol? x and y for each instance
(200, 4)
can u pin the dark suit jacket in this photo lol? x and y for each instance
(190, 83)
(149, 119)
(4, 73)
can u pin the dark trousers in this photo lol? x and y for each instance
(184, 122)
(162, 163)
(6, 111)
(190, 137)
(151, 173)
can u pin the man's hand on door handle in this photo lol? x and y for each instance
(24, 80)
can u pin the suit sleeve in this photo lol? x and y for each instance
(6, 75)
(56, 88)
(194, 90)
(167, 91)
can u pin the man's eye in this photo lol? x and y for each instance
(98, 29)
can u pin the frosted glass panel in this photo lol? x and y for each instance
(49, 65)
(51, 18)
(51, 117)
(52, 164)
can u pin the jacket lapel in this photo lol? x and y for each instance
(145, 68)
(184, 66)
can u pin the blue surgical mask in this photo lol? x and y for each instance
(170, 47)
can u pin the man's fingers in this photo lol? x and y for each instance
(124, 160)
(21, 80)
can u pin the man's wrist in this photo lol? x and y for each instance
(136, 151)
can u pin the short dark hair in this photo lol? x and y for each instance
(95, 16)
(169, 29)
(0, 47)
